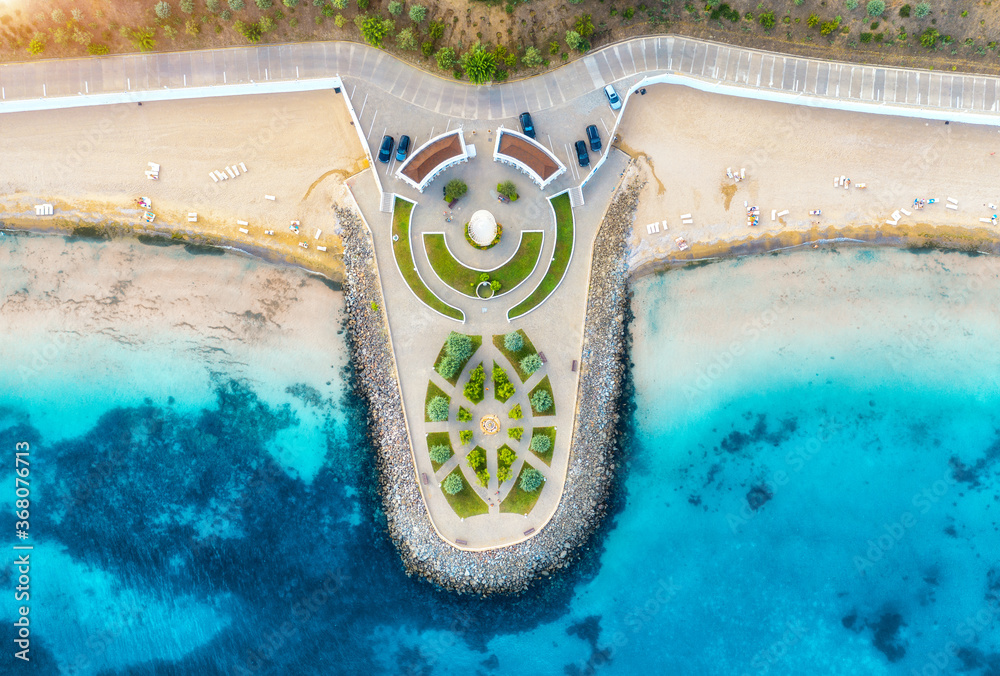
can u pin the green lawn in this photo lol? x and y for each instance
(466, 502)
(476, 342)
(544, 385)
(404, 259)
(519, 501)
(433, 391)
(515, 357)
(550, 432)
(560, 258)
(439, 439)
(464, 280)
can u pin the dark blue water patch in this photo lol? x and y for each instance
(982, 470)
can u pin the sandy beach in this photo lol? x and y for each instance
(685, 140)
(89, 163)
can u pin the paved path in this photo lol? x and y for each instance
(710, 64)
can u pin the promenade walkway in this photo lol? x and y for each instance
(34, 85)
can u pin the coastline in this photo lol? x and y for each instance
(592, 470)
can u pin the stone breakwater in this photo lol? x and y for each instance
(592, 461)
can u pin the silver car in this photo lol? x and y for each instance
(613, 98)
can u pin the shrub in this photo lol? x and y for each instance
(479, 65)
(876, 7)
(427, 48)
(82, 37)
(264, 4)
(162, 9)
(212, 5)
(290, 3)
(515, 432)
(374, 29)
(187, 6)
(540, 443)
(584, 25)
(904, 11)
(251, 31)
(418, 13)
(505, 391)
(437, 409)
(531, 480)
(464, 415)
(499, 376)
(406, 40)
(58, 16)
(573, 39)
(328, 10)
(495, 285)
(452, 484)
(767, 20)
(169, 31)
(474, 388)
(143, 39)
(515, 413)
(532, 57)
(96, 49)
(483, 477)
(440, 453)
(191, 27)
(923, 9)
(455, 188)
(465, 436)
(541, 401)
(812, 21)
(852, 5)
(929, 38)
(339, 4)
(237, 5)
(363, 4)
(531, 363)
(553, 48)
(476, 459)
(36, 46)
(338, 21)
(435, 30)
(628, 13)
(445, 58)
(507, 189)
(395, 8)
(866, 37)
(513, 341)
(830, 26)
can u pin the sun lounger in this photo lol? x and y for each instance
(889, 221)
(774, 214)
(321, 248)
(222, 177)
(242, 223)
(231, 174)
(318, 233)
(269, 232)
(836, 181)
(783, 213)
(304, 245)
(860, 186)
(906, 213)
(681, 244)
(243, 167)
(150, 217)
(573, 368)
(842, 179)
(986, 220)
(213, 177)
(192, 217)
(743, 174)
(953, 201)
(992, 206)
(43, 209)
(154, 166)
(269, 197)
(683, 216)
(652, 228)
(952, 206)
(687, 222)
(729, 172)
(896, 216)
(244, 231)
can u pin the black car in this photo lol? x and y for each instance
(404, 147)
(594, 138)
(385, 152)
(526, 126)
(581, 153)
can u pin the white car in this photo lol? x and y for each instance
(613, 98)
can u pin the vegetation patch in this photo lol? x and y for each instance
(504, 342)
(477, 381)
(519, 500)
(465, 501)
(432, 403)
(465, 280)
(503, 389)
(538, 437)
(404, 260)
(439, 440)
(477, 461)
(560, 259)
(456, 352)
(505, 460)
(542, 401)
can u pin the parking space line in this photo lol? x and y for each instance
(372, 126)
(352, 88)
(363, 106)
(606, 130)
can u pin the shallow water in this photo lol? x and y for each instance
(812, 487)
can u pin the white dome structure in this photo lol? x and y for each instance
(483, 228)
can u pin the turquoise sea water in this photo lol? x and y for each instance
(811, 487)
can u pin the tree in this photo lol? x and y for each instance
(440, 453)
(904, 12)
(453, 484)
(458, 345)
(395, 7)
(406, 40)
(584, 25)
(531, 363)
(541, 401)
(923, 9)
(573, 39)
(876, 7)
(531, 480)
(418, 13)
(437, 409)
(445, 58)
(375, 28)
(507, 189)
(448, 367)
(455, 189)
(540, 443)
(162, 9)
(237, 5)
(479, 65)
(513, 342)
(532, 57)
